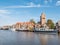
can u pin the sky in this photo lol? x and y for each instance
(13, 11)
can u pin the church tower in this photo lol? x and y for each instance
(43, 19)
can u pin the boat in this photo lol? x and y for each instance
(21, 29)
(13, 29)
(45, 30)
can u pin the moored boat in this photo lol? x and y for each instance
(45, 30)
(13, 29)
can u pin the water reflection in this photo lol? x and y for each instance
(47, 39)
(28, 38)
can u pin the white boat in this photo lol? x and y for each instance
(21, 29)
(13, 29)
(44, 30)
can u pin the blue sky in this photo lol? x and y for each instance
(12, 11)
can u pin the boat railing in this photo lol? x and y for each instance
(44, 29)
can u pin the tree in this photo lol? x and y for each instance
(32, 20)
(50, 24)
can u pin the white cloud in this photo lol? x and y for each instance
(45, 6)
(46, 1)
(29, 5)
(6, 18)
(4, 12)
(33, 4)
(58, 3)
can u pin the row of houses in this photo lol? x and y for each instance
(23, 26)
(20, 25)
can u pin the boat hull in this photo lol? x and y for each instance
(48, 31)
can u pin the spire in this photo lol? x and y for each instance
(42, 14)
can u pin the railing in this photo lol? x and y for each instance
(43, 29)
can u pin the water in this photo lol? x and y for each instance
(28, 38)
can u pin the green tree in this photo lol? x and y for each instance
(50, 24)
(32, 20)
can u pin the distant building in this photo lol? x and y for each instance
(42, 23)
(58, 26)
(5, 27)
(25, 25)
(43, 20)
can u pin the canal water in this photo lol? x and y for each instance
(28, 38)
